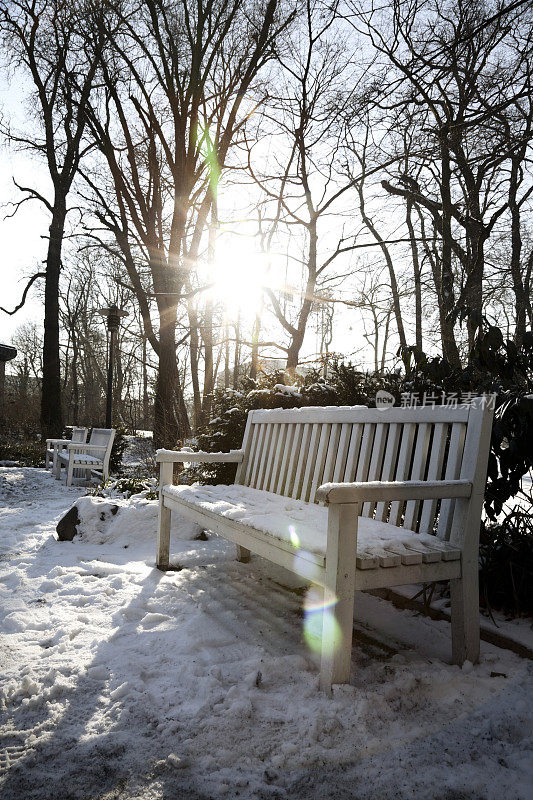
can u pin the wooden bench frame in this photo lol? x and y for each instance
(79, 435)
(394, 474)
(92, 457)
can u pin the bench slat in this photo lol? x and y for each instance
(353, 453)
(402, 470)
(322, 451)
(408, 556)
(289, 431)
(331, 455)
(376, 462)
(272, 446)
(361, 415)
(342, 451)
(365, 452)
(389, 464)
(310, 463)
(295, 452)
(266, 455)
(434, 473)
(417, 473)
(278, 457)
(302, 460)
(453, 468)
(255, 456)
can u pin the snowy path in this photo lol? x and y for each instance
(120, 682)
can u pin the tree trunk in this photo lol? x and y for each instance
(146, 405)
(194, 350)
(207, 336)
(416, 275)
(256, 332)
(445, 293)
(226, 357)
(516, 252)
(74, 373)
(166, 431)
(237, 355)
(51, 411)
(390, 266)
(385, 340)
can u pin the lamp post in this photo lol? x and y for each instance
(113, 315)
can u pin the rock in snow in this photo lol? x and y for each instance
(67, 527)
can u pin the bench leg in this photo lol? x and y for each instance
(339, 591)
(243, 554)
(464, 593)
(70, 471)
(57, 467)
(164, 518)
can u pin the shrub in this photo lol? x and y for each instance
(120, 444)
(506, 564)
(496, 366)
(25, 453)
(230, 409)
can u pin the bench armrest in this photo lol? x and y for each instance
(84, 447)
(173, 456)
(54, 442)
(377, 491)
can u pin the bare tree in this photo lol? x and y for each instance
(42, 38)
(304, 188)
(177, 88)
(460, 79)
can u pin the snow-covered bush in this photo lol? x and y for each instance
(230, 409)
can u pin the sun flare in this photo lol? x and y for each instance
(238, 277)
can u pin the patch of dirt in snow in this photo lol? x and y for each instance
(122, 682)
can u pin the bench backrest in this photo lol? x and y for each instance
(103, 437)
(79, 435)
(292, 452)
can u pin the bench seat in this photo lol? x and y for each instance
(300, 526)
(80, 458)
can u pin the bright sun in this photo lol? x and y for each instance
(240, 273)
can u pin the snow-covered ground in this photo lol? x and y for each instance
(120, 682)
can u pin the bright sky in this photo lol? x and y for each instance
(24, 248)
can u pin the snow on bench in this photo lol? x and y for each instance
(403, 490)
(301, 526)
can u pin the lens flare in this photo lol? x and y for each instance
(321, 630)
(295, 539)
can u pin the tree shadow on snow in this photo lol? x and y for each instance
(70, 759)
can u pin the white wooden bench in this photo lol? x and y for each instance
(90, 458)
(403, 489)
(54, 445)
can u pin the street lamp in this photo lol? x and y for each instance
(113, 315)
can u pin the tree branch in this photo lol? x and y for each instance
(24, 293)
